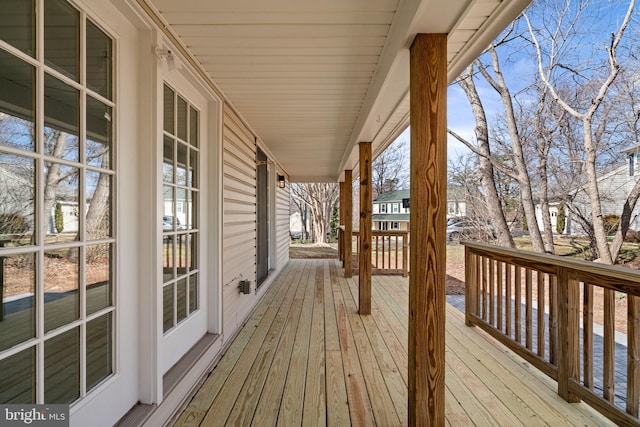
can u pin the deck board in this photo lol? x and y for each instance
(306, 357)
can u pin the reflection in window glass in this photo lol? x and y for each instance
(99, 59)
(62, 37)
(98, 193)
(193, 254)
(98, 275)
(181, 171)
(17, 110)
(193, 293)
(17, 24)
(61, 202)
(17, 199)
(18, 382)
(181, 302)
(167, 307)
(62, 367)
(182, 119)
(62, 117)
(99, 354)
(168, 262)
(193, 127)
(182, 253)
(193, 171)
(61, 298)
(99, 130)
(18, 307)
(169, 159)
(192, 219)
(168, 110)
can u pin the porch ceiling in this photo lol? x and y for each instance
(312, 79)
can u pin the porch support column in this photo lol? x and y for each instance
(364, 260)
(347, 252)
(428, 193)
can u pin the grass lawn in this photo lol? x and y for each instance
(579, 248)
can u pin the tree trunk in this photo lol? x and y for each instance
(522, 175)
(485, 169)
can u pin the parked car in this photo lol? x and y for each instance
(167, 223)
(466, 228)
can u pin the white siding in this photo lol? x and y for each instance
(282, 226)
(239, 220)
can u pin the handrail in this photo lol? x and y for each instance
(537, 304)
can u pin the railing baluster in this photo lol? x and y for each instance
(587, 330)
(485, 306)
(471, 286)
(518, 303)
(405, 255)
(507, 298)
(608, 375)
(633, 354)
(492, 282)
(529, 309)
(500, 284)
(541, 310)
(553, 319)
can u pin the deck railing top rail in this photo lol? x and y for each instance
(608, 276)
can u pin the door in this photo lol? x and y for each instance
(262, 191)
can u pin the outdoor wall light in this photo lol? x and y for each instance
(281, 182)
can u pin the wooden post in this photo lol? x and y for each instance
(428, 194)
(568, 334)
(348, 226)
(364, 259)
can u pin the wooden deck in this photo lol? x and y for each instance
(305, 357)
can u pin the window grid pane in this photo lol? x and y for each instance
(179, 225)
(58, 215)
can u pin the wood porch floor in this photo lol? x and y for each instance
(305, 357)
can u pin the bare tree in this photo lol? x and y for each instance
(485, 164)
(550, 44)
(389, 170)
(320, 198)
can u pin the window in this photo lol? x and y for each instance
(383, 208)
(180, 235)
(395, 225)
(56, 197)
(396, 207)
(384, 225)
(451, 207)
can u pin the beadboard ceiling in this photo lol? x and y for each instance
(313, 78)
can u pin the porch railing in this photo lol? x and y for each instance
(389, 251)
(561, 315)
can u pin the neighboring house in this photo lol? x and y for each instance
(614, 186)
(295, 225)
(456, 201)
(197, 111)
(391, 211)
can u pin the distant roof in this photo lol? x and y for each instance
(393, 196)
(453, 193)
